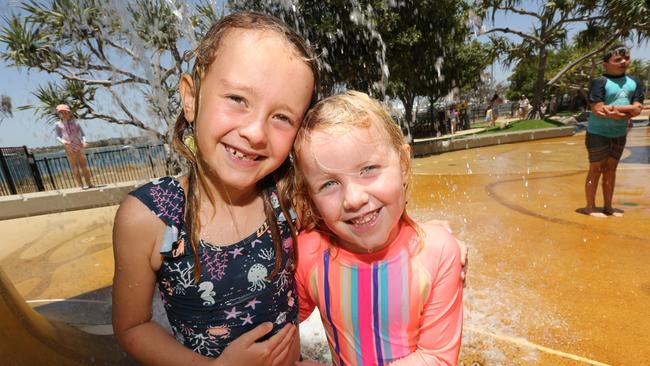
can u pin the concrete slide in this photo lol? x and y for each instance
(27, 338)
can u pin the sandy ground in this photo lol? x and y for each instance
(547, 286)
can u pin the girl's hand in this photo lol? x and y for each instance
(464, 261)
(245, 351)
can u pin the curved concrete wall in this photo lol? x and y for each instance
(441, 145)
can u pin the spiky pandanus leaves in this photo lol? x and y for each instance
(129, 54)
(605, 23)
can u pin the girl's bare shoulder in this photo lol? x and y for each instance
(137, 232)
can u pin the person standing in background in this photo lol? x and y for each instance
(524, 106)
(70, 134)
(493, 110)
(615, 98)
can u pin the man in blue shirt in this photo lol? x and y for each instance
(614, 98)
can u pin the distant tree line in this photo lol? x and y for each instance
(132, 57)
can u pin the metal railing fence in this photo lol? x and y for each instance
(22, 172)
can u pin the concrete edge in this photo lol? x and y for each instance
(425, 148)
(41, 203)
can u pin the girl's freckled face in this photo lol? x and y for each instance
(356, 182)
(252, 101)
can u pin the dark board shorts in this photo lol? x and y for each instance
(601, 148)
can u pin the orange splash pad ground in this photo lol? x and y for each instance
(547, 286)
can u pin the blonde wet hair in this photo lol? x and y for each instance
(345, 112)
(205, 54)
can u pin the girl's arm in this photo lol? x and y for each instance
(463, 248)
(83, 135)
(306, 305)
(59, 134)
(136, 234)
(442, 317)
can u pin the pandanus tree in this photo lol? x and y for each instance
(119, 61)
(116, 61)
(601, 22)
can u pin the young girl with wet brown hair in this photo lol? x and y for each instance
(218, 240)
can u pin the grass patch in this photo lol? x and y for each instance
(567, 113)
(524, 125)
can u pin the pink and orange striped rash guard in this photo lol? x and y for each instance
(399, 306)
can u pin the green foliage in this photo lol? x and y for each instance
(99, 51)
(125, 53)
(543, 54)
(399, 49)
(524, 125)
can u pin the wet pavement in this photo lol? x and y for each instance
(547, 286)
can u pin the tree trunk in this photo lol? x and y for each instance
(407, 99)
(432, 117)
(539, 84)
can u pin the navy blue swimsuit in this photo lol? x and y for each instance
(234, 293)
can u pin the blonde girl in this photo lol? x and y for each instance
(388, 290)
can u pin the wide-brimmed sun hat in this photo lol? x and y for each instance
(62, 107)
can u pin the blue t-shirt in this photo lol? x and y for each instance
(234, 293)
(613, 90)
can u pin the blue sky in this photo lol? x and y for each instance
(26, 129)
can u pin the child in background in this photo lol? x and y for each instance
(493, 108)
(69, 133)
(614, 98)
(388, 290)
(217, 241)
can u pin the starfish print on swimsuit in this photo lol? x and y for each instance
(232, 313)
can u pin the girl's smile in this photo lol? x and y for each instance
(362, 200)
(252, 100)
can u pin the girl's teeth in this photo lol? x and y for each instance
(240, 155)
(365, 219)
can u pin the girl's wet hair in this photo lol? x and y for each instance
(344, 112)
(204, 55)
